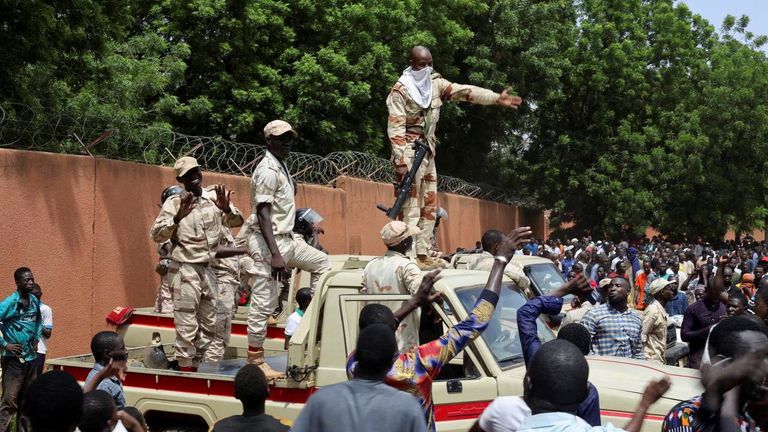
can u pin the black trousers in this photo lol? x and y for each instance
(17, 376)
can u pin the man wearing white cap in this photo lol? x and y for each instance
(195, 223)
(654, 333)
(271, 243)
(395, 273)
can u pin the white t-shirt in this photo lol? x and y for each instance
(292, 323)
(504, 414)
(47, 315)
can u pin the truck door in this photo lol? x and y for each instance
(461, 391)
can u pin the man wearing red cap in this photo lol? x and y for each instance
(395, 273)
(271, 243)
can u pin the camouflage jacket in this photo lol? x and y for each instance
(407, 120)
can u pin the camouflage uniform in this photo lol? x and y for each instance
(272, 183)
(192, 278)
(405, 125)
(395, 273)
(164, 301)
(228, 281)
(484, 262)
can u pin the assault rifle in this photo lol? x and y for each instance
(406, 184)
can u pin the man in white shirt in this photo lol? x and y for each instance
(47, 316)
(303, 297)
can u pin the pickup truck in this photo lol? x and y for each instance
(491, 366)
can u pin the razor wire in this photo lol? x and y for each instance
(25, 128)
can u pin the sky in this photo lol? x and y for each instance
(715, 10)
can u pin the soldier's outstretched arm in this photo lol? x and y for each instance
(477, 95)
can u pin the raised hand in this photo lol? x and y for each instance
(426, 293)
(517, 237)
(655, 390)
(222, 198)
(186, 207)
(509, 101)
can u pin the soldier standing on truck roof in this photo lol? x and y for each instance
(414, 107)
(194, 222)
(395, 273)
(271, 244)
(164, 302)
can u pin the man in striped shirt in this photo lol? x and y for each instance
(615, 329)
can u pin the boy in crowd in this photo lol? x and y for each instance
(110, 356)
(303, 297)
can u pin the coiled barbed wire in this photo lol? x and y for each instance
(25, 128)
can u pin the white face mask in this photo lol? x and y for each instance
(419, 85)
(421, 75)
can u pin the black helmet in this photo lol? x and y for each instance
(170, 191)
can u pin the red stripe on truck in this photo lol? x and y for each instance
(460, 411)
(238, 329)
(186, 382)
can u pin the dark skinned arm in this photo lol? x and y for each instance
(716, 289)
(264, 218)
(47, 332)
(228, 251)
(423, 296)
(653, 392)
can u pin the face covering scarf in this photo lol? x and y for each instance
(419, 85)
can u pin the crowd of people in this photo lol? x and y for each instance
(624, 297)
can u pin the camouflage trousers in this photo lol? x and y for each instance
(265, 291)
(225, 310)
(194, 310)
(421, 208)
(164, 301)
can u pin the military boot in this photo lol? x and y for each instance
(257, 357)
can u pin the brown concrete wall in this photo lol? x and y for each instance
(82, 225)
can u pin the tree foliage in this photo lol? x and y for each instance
(638, 112)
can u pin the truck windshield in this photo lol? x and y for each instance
(545, 277)
(501, 335)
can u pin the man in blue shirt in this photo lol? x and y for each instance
(22, 327)
(589, 408)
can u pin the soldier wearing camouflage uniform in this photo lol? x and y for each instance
(395, 273)
(271, 244)
(492, 241)
(164, 301)
(414, 107)
(228, 281)
(195, 224)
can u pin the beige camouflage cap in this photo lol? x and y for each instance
(183, 165)
(658, 285)
(278, 127)
(396, 231)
